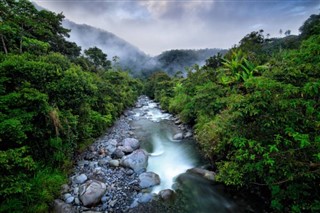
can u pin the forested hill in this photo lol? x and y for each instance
(54, 102)
(133, 59)
(173, 61)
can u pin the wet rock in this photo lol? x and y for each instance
(209, 175)
(91, 192)
(61, 207)
(188, 134)
(177, 121)
(166, 194)
(178, 136)
(80, 179)
(145, 198)
(137, 160)
(131, 142)
(148, 179)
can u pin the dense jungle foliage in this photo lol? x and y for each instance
(256, 113)
(53, 103)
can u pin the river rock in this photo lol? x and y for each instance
(69, 199)
(114, 163)
(148, 179)
(61, 207)
(126, 149)
(178, 136)
(112, 145)
(137, 160)
(145, 198)
(188, 134)
(118, 153)
(80, 179)
(91, 192)
(166, 194)
(131, 142)
(209, 175)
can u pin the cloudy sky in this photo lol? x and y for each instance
(158, 25)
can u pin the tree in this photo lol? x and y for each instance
(310, 27)
(98, 58)
(287, 33)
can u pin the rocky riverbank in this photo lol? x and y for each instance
(111, 175)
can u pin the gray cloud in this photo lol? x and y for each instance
(155, 26)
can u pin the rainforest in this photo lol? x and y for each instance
(254, 110)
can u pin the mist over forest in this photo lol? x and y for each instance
(132, 58)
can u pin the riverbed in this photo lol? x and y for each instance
(159, 145)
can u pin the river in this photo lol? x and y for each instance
(170, 159)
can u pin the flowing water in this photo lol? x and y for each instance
(171, 158)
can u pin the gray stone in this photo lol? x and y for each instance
(80, 179)
(76, 190)
(166, 194)
(137, 160)
(126, 149)
(91, 192)
(148, 179)
(114, 163)
(112, 145)
(104, 199)
(145, 198)
(103, 162)
(188, 134)
(61, 207)
(66, 196)
(131, 142)
(118, 153)
(178, 136)
(70, 199)
(77, 201)
(209, 175)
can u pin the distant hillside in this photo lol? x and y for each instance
(133, 59)
(176, 60)
(87, 36)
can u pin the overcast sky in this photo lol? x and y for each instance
(158, 25)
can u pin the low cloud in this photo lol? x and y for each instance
(155, 26)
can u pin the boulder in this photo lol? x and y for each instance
(178, 136)
(209, 175)
(131, 142)
(61, 207)
(80, 179)
(137, 160)
(166, 194)
(126, 149)
(91, 192)
(148, 179)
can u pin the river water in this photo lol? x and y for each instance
(170, 159)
